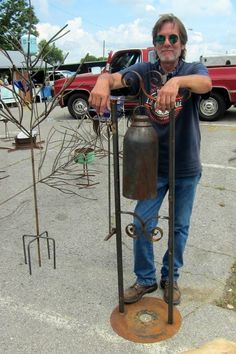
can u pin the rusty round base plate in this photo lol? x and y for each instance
(145, 321)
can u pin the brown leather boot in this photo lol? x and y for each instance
(136, 291)
(176, 292)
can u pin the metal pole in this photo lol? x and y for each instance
(171, 213)
(35, 197)
(117, 204)
(103, 49)
(109, 179)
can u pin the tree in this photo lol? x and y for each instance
(16, 17)
(51, 54)
(90, 57)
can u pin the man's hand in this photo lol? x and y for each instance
(194, 83)
(167, 95)
(100, 94)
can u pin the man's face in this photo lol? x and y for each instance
(168, 52)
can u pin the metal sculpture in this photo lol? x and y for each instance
(149, 320)
(69, 171)
(140, 147)
(25, 93)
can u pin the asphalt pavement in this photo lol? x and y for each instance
(68, 309)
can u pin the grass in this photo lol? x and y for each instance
(228, 299)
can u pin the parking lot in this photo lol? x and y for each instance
(67, 309)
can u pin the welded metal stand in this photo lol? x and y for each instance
(171, 213)
(38, 236)
(42, 236)
(117, 204)
(150, 319)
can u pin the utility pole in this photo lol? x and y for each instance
(103, 48)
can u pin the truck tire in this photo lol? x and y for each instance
(212, 108)
(228, 105)
(78, 105)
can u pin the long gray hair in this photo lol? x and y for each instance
(172, 19)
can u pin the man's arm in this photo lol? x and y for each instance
(100, 94)
(195, 83)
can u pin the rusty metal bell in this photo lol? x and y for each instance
(140, 159)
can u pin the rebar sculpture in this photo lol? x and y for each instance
(77, 149)
(147, 320)
(25, 92)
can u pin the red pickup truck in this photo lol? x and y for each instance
(222, 97)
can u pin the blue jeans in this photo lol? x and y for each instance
(148, 210)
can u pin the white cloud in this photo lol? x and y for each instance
(138, 6)
(196, 49)
(149, 8)
(137, 33)
(194, 37)
(46, 30)
(203, 8)
(132, 34)
(78, 42)
(134, 2)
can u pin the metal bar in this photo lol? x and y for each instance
(25, 257)
(54, 253)
(29, 255)
(109, 179)
(35, 198)
(171, 213)
(35, 238)
(48, 245)
(117, 204)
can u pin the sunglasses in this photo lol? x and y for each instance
(160, 38)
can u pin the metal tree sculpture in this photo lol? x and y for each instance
(26, 95)
(69, 171)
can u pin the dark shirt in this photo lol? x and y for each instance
(187, 131)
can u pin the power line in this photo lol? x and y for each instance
(72, 14)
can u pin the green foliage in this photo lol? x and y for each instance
(16, 18)
(51, 54)
(90, 57)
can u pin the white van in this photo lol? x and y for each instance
(52, 76)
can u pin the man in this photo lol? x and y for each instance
(169, 39)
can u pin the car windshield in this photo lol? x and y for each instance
(124, 60)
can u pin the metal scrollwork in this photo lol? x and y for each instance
(157, 234)
(154, 235)
(131, 231)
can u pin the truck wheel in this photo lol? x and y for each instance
(228, 105)
(212, 108)
(78, 105)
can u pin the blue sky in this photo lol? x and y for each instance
(128, 23)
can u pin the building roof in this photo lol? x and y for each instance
(18, 59)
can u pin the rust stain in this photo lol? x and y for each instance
(145, 321)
